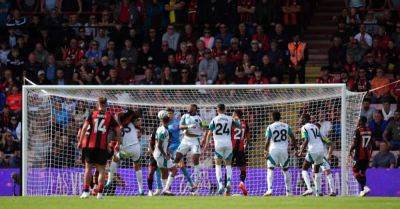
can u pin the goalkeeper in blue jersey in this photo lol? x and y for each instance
(175, 141)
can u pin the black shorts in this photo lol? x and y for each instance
(239, 158)
(95, 156)
(360, 165)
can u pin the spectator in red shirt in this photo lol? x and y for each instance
(240, 76)
(362, 82)
(14, 99)
(291, 10)
(350, 66)
(262, 38)
(325, 77)
(73, 51)
(258, 78)
(221, 78)
(234, 53)
(348, 80)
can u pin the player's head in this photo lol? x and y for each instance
(220, 108)
(238, 113)
(163, 116)
(102, 103)
(362, 121)
(171, 112)
(193, 109)
(276, 115)
(305, 119)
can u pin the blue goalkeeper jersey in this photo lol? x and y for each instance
(174, 131)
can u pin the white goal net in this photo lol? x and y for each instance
(52, 116)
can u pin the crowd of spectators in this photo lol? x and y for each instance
(144, 42)
(175, 42)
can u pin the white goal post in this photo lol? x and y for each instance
(52, 115)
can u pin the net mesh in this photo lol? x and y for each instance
(54, 117)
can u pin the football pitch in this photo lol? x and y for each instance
(200, 203)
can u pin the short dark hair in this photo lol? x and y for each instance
(195, 106)
(276, 116)
(170, 109)
(239, 113)
(306, 118)
(102, 100)
(221, 107)
(363, 120)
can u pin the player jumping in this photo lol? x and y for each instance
(130, 146)
(220, 128)
(315, 154)
(174, 131)
(276, 151)
(325, 166)
(161, 154)
(191, 124)
(240, 137)
(153, 168)
(360, 151)
(94, 152)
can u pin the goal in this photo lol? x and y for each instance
(52, 116)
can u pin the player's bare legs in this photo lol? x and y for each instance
(102, 172)
(178, 161)
(150, 178)
(87, 180)
(306, 178)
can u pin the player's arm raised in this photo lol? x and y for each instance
(183, 125)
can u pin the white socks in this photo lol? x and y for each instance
(306, 179)
(331, 183)
(196, 171)
(169, 182)
(270, 178)
(139, 178)
(218, 173)
(317, 182)
(288, 180)
(228, 175)
(164, 182)
(113, 168)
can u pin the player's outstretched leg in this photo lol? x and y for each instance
(171, 176)
(113, 167)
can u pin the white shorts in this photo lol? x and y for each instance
(189, 144)
(278, 158)
(132, 152)
(223, 152)
(325, 165)
(316, 158)
(163, 163)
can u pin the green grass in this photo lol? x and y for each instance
(199, 203)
